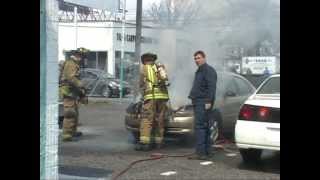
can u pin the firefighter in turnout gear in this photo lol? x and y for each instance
(72, 91)
(153, 79)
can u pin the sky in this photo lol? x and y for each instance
(130, 6)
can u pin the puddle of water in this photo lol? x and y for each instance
(169, 173)
(231, 154)
(205, 163)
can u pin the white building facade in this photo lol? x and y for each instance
(103, 39)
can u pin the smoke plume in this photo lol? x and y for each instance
(218, 25)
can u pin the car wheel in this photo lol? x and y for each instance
(106, 92)
(250, 155)
(214, 130)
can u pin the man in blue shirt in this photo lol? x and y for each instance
(202, 95)
(266, 72)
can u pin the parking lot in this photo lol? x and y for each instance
(106, 149)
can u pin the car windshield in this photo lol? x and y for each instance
(272, 86)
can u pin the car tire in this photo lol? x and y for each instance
(106, 92)
(250, 155)
(216, 129)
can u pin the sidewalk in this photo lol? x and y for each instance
(67, 177)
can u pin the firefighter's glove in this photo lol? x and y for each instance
(208, 106)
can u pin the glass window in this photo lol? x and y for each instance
(102, 59)
(91, 60)
(243, 87)
(127, 63)
(82, 74)
(220, 85)
(272, 86)
(118, 36)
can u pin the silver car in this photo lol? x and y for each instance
(232, 91)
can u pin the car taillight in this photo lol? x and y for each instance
(263, 113)
(246, 112)
(254, 113)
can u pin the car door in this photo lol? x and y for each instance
(231, 104)
(244, 90)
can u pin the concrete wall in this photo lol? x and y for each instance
(49, 91)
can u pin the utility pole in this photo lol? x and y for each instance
(138, 38)
(122, 47)
(138, 29)
(76, 25)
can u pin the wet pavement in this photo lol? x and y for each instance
(106, 149)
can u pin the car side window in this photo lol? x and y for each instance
(243, 87)
(231, 86)
(82, 74)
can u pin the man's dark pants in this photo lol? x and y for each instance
(203, 122)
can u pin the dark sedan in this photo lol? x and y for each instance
(100, 83)
(232, 91)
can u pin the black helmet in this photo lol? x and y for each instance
(83, 50)
(149, 56)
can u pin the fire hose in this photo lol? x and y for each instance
(155, 156)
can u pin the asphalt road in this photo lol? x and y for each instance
(106, 149)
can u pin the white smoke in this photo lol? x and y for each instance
(241, 23)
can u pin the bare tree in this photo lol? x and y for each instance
(173, 13)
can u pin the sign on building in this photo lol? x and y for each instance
(258, 64)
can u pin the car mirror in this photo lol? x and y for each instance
(230, 94)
